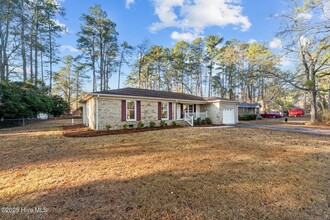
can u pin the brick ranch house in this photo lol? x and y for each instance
(130, 105)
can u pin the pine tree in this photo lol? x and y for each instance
(98, 42)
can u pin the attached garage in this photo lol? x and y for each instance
(228, 116)
(222, 111)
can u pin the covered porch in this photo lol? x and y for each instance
(190, 111)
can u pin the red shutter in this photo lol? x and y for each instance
(170, 111)
(138, 110)
(194, 107)
(159, 111)
(123, 110)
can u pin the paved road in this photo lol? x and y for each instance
(288, 128)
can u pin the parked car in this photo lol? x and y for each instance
(271, 115)
(296, 112)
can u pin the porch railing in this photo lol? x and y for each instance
(201, 115)
(189, 119)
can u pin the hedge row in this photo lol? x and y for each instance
(200, 121)
(247, 117)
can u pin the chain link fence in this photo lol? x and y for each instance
(37, 123)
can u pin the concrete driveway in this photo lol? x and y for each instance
(288, 128)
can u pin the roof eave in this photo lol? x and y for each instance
(146, 97)
(87, 97)
(221, 100)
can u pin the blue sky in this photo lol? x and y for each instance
(164, 22)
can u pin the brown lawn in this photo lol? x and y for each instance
(187, 173)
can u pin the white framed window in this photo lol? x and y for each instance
(164, 110)
(191, 109)
(245, 110)
(130, 110)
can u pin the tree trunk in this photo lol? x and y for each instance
(210, 79)
(159, 71)
(50, 59)
(69, 88)
(119, 68)
(5, 57)
(42, 67)
(7, 66)
(77, 89)
(140, 69)
(101, 64)
(23, 51)
(35, 64)
(2, 72)
(93, 66)
(263, 91)
(182, 82)
(36, 49)
(313, 95)
(31, 56)
(106, 75)
(119, 72)
(321, 101)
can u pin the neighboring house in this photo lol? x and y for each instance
(130, 105)
(248, 108)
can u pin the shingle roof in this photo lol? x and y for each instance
(150, 93)
(216, 98)
(248, 105)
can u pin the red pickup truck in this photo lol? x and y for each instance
(271, 115)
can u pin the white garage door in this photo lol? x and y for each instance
(228, 116)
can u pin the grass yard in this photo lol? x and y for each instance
(295, 122)
(187, 173)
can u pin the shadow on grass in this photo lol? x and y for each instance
(38, 151)
(218, 194)
(18, 152)
(205, 174)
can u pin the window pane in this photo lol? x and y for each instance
(130, 114)
(164, 114)
(130, 104)
(164, 110)
(130, 111)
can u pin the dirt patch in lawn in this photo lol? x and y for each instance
(83, 131)
(234, 173)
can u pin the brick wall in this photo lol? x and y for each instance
(109, 111)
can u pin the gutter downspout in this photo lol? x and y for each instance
(97, 113)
